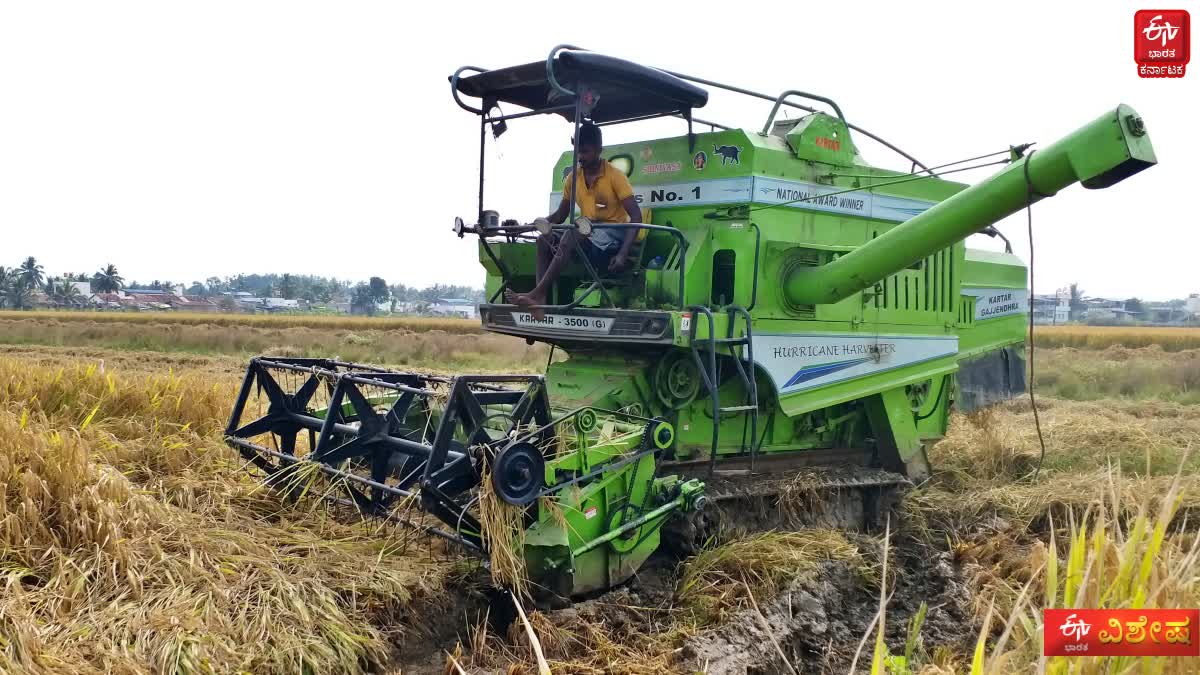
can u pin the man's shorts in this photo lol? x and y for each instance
(598, 257)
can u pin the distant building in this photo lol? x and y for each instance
(1104, 310)
(150, 300)
(1051, 309)
(174, 290)
(1165, 314)
(1192, 304)
(280, 303)
(194, 303)
(248, 301)
(455, 307)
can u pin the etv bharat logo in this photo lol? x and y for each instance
(1075, 630)
(1162, 42)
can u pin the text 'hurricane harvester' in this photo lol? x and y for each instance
(789, 338)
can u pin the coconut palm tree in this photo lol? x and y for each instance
(5, 280)
(107, 280)
(1077, 301)
(31, 273)
(17, 294)
(64, 292)
(287, 286)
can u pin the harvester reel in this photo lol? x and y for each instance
(518, 473)
(381, 436)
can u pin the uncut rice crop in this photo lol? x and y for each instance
(408, 323)
(365, 340)
(1171, 339)
(133, 541)
(1127, 549)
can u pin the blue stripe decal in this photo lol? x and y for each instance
(812, 372)
(909, 210)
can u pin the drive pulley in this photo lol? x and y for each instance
(518, 473)
(676, 380)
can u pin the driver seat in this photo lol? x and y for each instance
(635, 257)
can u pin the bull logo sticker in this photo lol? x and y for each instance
(730, 154)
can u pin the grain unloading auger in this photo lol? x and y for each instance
(793, 334)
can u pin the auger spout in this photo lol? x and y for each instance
(1102, 153)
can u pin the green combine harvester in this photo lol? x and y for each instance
(797, 323)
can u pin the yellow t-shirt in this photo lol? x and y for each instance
(601, 202)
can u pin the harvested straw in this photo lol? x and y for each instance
(712, 582)
(504, 535)
(534, 643)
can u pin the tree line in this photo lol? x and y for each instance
(18, 285)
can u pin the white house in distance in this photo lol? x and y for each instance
(455, 307)
(1052, 309)
(269, 304)
(1192, 304)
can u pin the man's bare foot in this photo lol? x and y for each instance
(528, 301)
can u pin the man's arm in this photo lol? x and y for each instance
(635, 216)
(560, 214)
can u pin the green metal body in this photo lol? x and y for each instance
(865, 305)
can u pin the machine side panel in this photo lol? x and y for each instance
(799, 362)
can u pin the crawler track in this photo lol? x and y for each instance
(785, 493)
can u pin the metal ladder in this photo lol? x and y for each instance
(741, 352)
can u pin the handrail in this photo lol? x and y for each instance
(454, 88)
(711, 378)
(757, 248)
(796, 92)
(766, 97)
(673, 231)
(550, 69)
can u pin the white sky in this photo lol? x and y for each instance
(184, 140)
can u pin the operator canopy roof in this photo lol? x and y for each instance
(625, 90)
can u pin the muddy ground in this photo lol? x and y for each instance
(815, 624)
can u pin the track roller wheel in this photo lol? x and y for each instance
(686, 534)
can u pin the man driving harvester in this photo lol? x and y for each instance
(604, 196)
